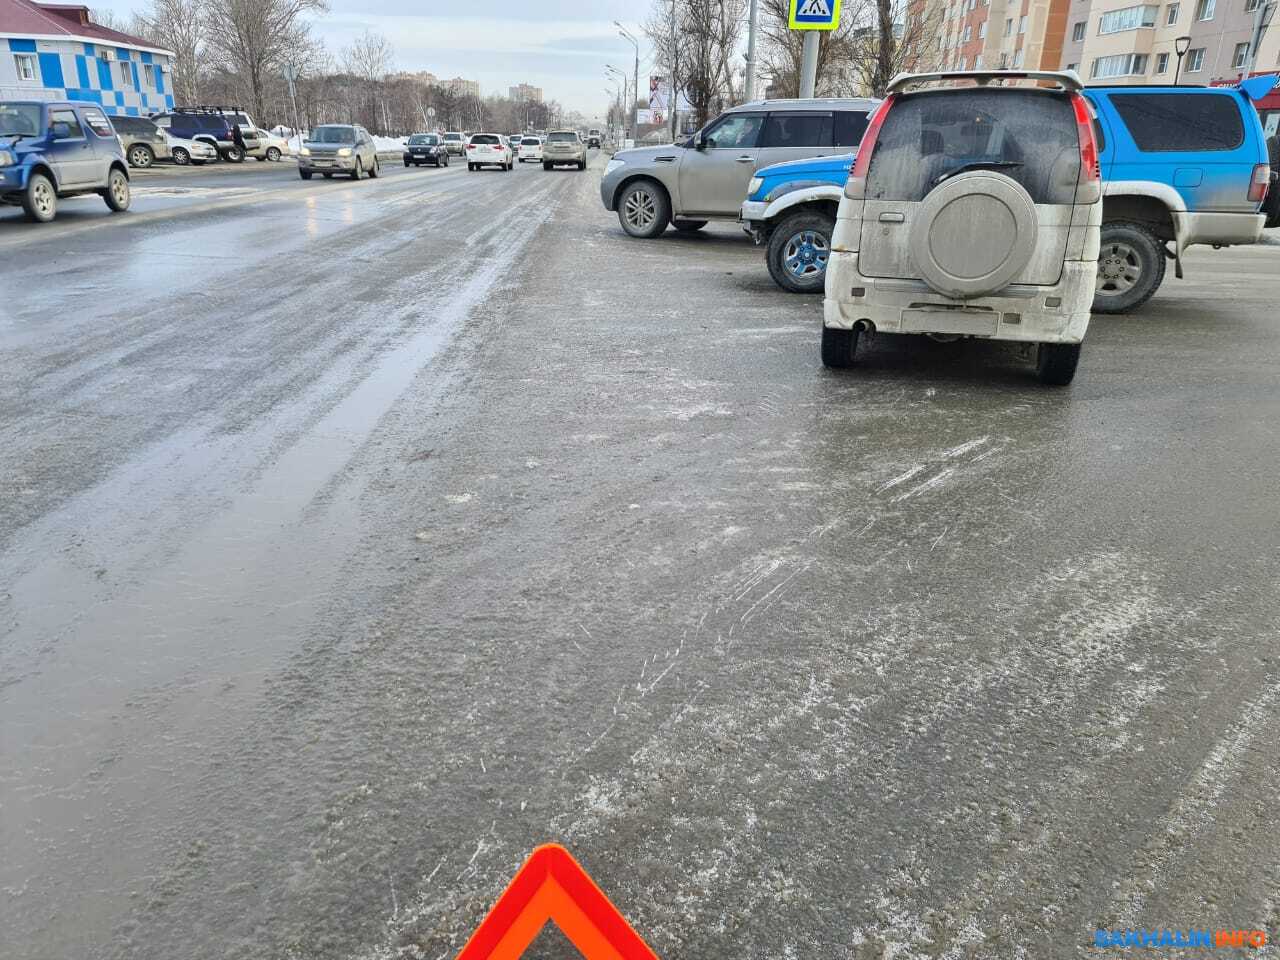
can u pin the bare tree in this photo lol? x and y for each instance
(369, 59)
(255, 38)
(180, 26)
(697, 42)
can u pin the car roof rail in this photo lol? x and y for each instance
(1066, 79)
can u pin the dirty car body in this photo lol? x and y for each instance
(971, 210)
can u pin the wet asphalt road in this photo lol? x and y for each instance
(357, 538)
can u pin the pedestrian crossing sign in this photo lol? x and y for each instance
(814, 14)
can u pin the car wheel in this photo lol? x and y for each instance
(1130, 267)
(140, 156)
(1056, 363)
(406, 164)
(40, 200)
(305, 174)
(688, 226)
(273, 154)
(798, 252)
(838, 347)
(446, 159)
(181, 157)
(357, 172)
(644, 210)
(545, 165)
(471, 168)
(234, 155)
(117, 193)
(582, 164)
(328, 176)
(375, 170)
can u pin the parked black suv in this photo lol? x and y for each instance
(206, 125)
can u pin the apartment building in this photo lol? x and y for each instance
(972, 34)
(1117, 41)
(463, 88)
(524, 91)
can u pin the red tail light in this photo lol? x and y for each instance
(1088, 144)
(862, 162)
(1259, 183)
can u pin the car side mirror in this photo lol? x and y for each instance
(700, 142)
(60, 130)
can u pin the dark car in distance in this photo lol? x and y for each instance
(207, 126)
(144, 143)
(426, 148)
(54, 149)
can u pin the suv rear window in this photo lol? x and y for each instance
(849, 127)
(797, 130)
(530, 142)
(1026, 135)
(562, 137)
(1168, 122)
(485, 138)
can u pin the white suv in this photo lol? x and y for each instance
(972, 210)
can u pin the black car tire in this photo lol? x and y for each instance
(233, 155)
(117, 193)
(1131, 260)
(141, 156)
(181, 157)
(446, 160)
(688, 226)
(582, 164)
(40, 199)
(545, 165)
(375, 170)
(273, 154)
(1056, 363)
(838, 347)
(779, 242)
(471, 168)
(328, 176)
(644, 209)
(357, 172)
(406, 164)
(305, 174)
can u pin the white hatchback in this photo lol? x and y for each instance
(531, 149)
(489, 150)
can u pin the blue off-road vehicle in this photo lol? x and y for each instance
(1180, 165)
(50, 150)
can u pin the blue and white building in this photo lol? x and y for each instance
(55, 52)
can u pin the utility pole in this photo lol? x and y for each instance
(635, 83)
(809, 64)
(623, 77)
(752, 20)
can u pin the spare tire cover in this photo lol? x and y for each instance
(973, 234)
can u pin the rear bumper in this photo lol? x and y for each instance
(1020, 312)
(1219, 229)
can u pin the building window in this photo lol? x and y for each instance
(1171, 15)
(1162, 63)
(1008, 27)
(1004, 61)
(968, 33)
(126, 73)
(1022, 25)
(1119, 65)
(1129, 18)
(26, 66)
(1073, 67)
(149, 75)
(977, 62)
(982, 30)
(1195, 60)
(1250, 5)
(1240, 56)
(1204, 9)
(1017, 58)
(1077, 32)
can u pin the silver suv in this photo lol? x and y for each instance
(705, 177)
(972, 210)
(338, 148)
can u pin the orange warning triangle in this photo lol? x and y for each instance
(553, 886)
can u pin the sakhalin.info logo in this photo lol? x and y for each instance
(1180, 938)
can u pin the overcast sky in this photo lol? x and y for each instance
(559, 45)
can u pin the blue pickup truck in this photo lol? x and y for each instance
(1180, 166)
(50, 150)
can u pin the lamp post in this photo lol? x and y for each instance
(623, 77)
(1180, 46)
(635, 88)
(620, 98)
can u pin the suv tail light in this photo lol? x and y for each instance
(862, 162)
(1259, 183)
(1088, 144)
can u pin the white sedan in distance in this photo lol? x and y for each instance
(530, 149)
(489, 150)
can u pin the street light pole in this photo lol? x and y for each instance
(1180, 46)
(623, 77)
(809, 64)
(635, 87)
(752, 19)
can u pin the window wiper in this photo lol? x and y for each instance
(976, 165)
(16, 136)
